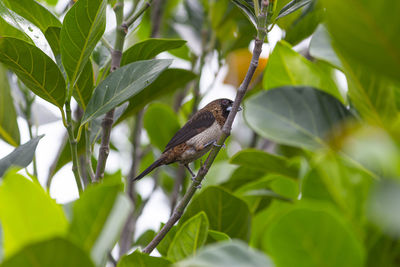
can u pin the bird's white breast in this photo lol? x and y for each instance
(211, 134)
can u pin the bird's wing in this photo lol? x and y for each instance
(198, 123)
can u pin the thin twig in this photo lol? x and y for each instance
(226, 129)
(136, 15)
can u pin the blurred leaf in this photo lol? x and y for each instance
(83, 26)
(142, 260)
(305, 24)
(190, 236)
(98, 218)
(225, 212)
(166, 241)
(161, 124)
(121, 85)
(367, 32)
(321, 47)
(248, 10)
(302, 233)
(27, 213)
(217, 236)
(373, 95)
(35, 69)
(54, 252)
(287, 67)
(34, 12)
(292, 7)
(168, 82)
(227, 254)
(22, 156)
(49, 2)
(296, 116)
(148, 49)
(242, 175)
(265, 162)
(145, 238)
(9, 131)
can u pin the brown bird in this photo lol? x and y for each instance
(196, 137)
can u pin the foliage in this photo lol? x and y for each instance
(310, 177)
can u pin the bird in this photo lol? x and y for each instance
(195, 138)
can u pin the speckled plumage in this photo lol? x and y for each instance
(196, 137)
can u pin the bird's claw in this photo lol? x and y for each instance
(215, 144)
(198, 186)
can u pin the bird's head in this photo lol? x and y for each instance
(226, 106)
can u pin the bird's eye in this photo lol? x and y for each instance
(225, 102)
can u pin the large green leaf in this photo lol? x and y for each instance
(287, 67)
(296, 116)
(27, 213)
(189, 238)
(367, 32)
(148, 49)
(227, 254)
(83, 26)
(142, 260)
(38, 72)
(265, 162)
(373, 95)
(167, 124)
(226, 213)
(83, 88)
(168, 82)
(303, 232)
(98, 218)
(34, 12)
(122, 84)
(248, 10)
(21, 156)
(8, 117)
(54, 252)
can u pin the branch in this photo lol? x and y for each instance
(226, 130)
(108, 120)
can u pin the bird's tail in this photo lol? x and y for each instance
(155, 164)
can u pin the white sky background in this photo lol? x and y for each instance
(63, 187)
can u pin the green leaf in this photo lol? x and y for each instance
(22, 156)
(27, 213)
(54, 252)
(168, 82)
(138, 259)
(98, 218)
(287, 67)
(167, 124)
(34, 12)
(8, 117)
(225, 212)
(321, 47)
(367, 32)
(292, 7)
(83, 88)
(190, 236)
(34, 68)
(227, 254)
(373, 95)
(265, 162)
(295, 116)
(305, 24)
(145, 238)
(121, 85)
(166, 241)
(83, 26)
(303, 232)
(6, 30)
(248, 10)
(217, 236)
(148, 49)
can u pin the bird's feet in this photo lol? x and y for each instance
(215, 144)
